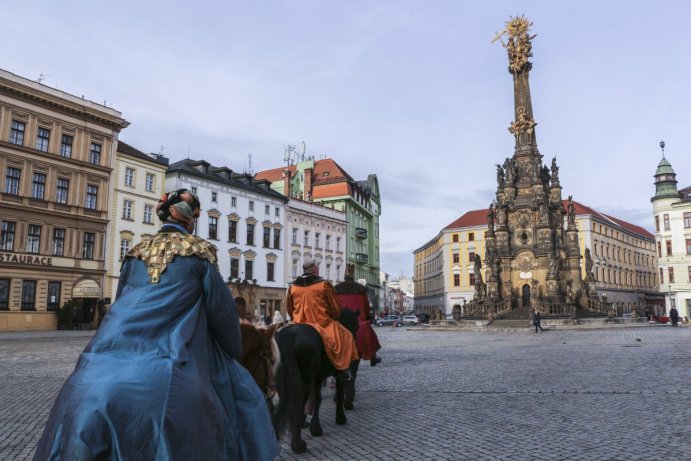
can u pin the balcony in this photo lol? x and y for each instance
(361, 257)
(360, 232)
(33, 203)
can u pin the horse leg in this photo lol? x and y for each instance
(350, 386)
(340, 393)
(297, 418)
(316, 397)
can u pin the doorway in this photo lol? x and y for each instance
(526, 295)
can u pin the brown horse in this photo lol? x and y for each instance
(261, 358)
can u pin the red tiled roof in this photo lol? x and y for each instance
(470, 219)
(334, 172)
(479, 217)
(338, 189)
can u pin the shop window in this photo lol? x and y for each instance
(5, 293)
(29, 295)
(53, 300)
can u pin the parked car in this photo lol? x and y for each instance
(390, 320)
(410, 320)
(424, 318)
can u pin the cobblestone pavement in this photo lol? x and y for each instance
(618, 394)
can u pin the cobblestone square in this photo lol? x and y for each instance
(610, 394)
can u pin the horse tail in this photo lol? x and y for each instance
(289, 385)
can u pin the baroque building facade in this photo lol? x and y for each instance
(315, 232)
(672, 214)
(56, 153)
(137, 183)
(245, 219)
(325, 182)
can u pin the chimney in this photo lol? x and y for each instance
(308, 183)
(286, 182)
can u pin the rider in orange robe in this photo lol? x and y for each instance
(313, 300)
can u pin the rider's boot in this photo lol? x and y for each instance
(343, 375)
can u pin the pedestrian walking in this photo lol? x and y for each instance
(537, 318)
(278, 318)
(160, 379)
(674, 316)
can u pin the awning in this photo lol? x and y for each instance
(86, 288)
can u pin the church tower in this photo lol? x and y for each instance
(532, 260)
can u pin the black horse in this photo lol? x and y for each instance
(304, 366)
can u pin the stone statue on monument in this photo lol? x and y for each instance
(588, 264)
(571, 211)
(501, 216)
(555, 171)
(490, 218)
(478, 269)
(500, 176)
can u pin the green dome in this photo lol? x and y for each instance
(664, 167)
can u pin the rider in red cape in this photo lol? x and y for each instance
(160, 380)
(312, 300)
(353, 296)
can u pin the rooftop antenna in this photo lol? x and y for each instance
(42, 77)
(160, 152)
(188, 151)
(249, 164)
(662, 146)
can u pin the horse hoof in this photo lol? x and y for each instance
(348, 406)
(341, 420)
(316, 431)
(298, 446)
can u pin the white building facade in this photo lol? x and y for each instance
(315, 232)
(672, 214)
(137, 183)
(244, 218)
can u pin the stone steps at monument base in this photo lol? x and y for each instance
(510, 324)
(519, 313)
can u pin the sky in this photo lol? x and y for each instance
(410, 90)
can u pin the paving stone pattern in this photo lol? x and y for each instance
(616, 394)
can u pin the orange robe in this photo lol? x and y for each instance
(317, 305)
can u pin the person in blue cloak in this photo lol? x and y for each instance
(160, 380)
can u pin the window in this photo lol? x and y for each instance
(456, 258)
(62, 190)
(338, 272)
(249, 266)
(53, 300)
(689, 277)
(456, 280)
(214, 196)
(29, 295)
(454, 238)
(91, 197)
(12, 180)
(338, 243)
(66, 146)
(124, 248)
(669, 247)
(294, 269)
(328, 242)
(657, 223)
(42, 139)
(33, 241)
(95, 153)
(148, 214)
(327, 272)
(269, 272)
(250, 235)
(194, 190)
(251, 205)
(7, 235)
(127, 210)
(17, 132)
(688, 246)
(4, 294)
(88, 249)
(471, 279)
(666, 219)
(129, 177)
(232, 231)
(266, 240)
(687, 220)
(670, 271)
(277, 212)
(277, 238)
(307, 238)
(662, 277)
(659, 249)
(471, 237)
(149, 182)
(295, 236)
(234, 268)
(317, 238)
(213, 228)
(267, 209)
(233, 201)
(471, 257)
(38, 189)
(58, 242)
